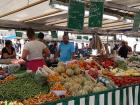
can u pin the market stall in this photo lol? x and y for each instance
(79, 82)
(95, 79)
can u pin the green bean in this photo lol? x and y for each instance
(21, 88)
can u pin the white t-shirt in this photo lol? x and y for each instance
(35, 49)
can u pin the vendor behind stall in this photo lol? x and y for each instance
(8, 52)
(66, 50)
(96, 44)
(32, 52)
(134, 47)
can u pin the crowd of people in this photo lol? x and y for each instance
(36, 50)
(84, 51)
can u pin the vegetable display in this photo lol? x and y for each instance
(41, 98)
(75, 78)
(5, 76)
(80, 85)
(121, 64)
(125, 80)
(134, 61)
(21, 88)
(134, 58)
(107, 63)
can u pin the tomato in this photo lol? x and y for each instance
(125, 80)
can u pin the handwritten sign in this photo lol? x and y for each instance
(76, 14)
(136, 23)
(96, 13)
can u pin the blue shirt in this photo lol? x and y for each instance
(66, 51)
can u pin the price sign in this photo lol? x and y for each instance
(76, 14)
(96, 13)
(136, 23)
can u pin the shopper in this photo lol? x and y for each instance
(123, 51)
(83, 49)
(65, 50)
(33, 52)
(106, 49)
(96, 44)
(83, 45)
(53, 48)
(8, 52)
(129, 48)
(86, 51)
(41, 38)
(18, 46)
(135, 46)
(76, 48)
(116, 46)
